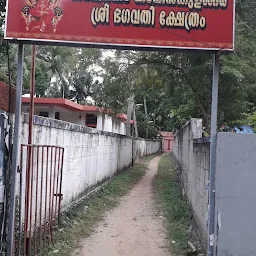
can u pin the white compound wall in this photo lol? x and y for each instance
(90, 156)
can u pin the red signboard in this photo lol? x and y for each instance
(185, 24)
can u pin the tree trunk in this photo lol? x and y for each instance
(65, 86)
(205, 116)
(146, 115)
(200, 106)
(135, 122)
(129, 114)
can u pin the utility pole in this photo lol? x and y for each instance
(15, 152)
(213, 146)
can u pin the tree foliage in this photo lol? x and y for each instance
(169, 87)
(177, 86)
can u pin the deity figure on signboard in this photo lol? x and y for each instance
(42, 15)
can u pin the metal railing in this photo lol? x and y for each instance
(39, 198)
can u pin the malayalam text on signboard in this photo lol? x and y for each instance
(188, 24)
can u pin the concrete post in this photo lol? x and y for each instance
(99, 122)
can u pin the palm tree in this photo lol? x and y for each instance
(60, 71)
(61, 61)
(5, 70)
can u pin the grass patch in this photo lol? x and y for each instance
(80, 221)
(150, 157)
(176, 208)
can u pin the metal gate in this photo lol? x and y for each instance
(39, 197)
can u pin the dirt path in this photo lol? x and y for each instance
(131, 229)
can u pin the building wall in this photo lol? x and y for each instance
(99, 122)
(116, 125)
(90, 157)
(192, 153)
(104, 122)
(122, 128)
(76, 117)
(107, 123)
(144, 147)
(235, 185)
(167, 141)
(235, 194)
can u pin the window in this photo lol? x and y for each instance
(91, 120)
(44, 113)
(57, 115)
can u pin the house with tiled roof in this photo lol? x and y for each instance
(69, 111)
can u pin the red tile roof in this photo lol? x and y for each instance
(68, 104)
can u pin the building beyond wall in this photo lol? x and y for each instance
(167, 141)
(69, 111)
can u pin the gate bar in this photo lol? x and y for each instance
(32, 92)
(15, 151)
(36, 205)
(213, 146)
